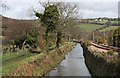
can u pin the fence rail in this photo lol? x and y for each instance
(106, 47)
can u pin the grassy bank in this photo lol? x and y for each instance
(39, 64)
(11, 61)
(98, 65)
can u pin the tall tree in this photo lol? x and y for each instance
(68, 20)
(49, 20)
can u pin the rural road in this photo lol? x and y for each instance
(73, 65)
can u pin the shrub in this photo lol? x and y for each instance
(31, 38)
(110, 52)
(87, 43)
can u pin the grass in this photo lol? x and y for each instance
(16, 65)
(89, 27)
(17, 56)
(10, 61)
(12, 66)
(11, 55)
(92, 27)
(109, 28)
(17, 59)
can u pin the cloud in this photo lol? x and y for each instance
(19, 9)
(90, 8)
(96, 14)
(99, 9)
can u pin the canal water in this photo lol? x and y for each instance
(73, 65)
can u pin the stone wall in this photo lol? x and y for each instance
(99, 66)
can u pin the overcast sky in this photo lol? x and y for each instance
(90, 8)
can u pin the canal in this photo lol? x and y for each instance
(73, 65)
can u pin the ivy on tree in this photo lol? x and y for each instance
(49, 19)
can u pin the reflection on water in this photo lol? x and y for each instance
(73, 65)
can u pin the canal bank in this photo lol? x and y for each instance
(73, 65)
(103, 64)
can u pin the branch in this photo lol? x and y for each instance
(67, 11)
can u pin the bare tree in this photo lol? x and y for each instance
(69, 13)
(3, 5)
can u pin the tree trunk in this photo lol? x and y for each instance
(58, 39)
(46, 39)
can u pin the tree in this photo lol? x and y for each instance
(68, 20)
(116, 38)
(3, 5)
(58, 39)
(49, 20)
(68, 15)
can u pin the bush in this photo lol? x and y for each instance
(87, 43)
(19, 42)
(31, 38)
(100, 40)
(110, 52)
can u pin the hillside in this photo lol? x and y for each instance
(14, 28)
(12, 25)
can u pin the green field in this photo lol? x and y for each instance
(89, 27)
(109, 28)
(15, 57)
(11, 61)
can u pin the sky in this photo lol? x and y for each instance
(22, 9)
